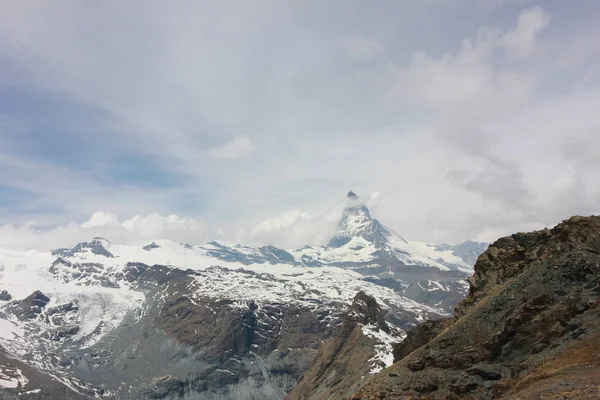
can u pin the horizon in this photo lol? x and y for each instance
(245, 122)
(117, 234)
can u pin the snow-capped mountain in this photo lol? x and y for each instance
(361, 241)
(172, 320)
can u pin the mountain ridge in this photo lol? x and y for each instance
(526, 330)
(247, 319)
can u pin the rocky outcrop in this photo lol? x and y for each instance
(31, 306)
(420, 336)
(5, 296)
(151, 246)
(344, 362)
(95, 246)
(530, 322)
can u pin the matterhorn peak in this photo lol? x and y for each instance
(356, 222)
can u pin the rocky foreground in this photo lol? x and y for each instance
(529, 329)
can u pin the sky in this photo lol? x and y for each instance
(250, 121)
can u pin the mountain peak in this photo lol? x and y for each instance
(356, 222)
(352, 195)
(97, 245)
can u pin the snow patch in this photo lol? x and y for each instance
(383, 348)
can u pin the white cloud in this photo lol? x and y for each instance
(155, 225)
(472, 123)
(584, 150)
(135, 230)
(296, 228)
(363, 47)
(521, 41)
(101, 219)
(280, 222)
(466, 86)
(238, 147)
(375, 201)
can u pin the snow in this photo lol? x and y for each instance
(11, 377)
(10, 329)
(22, 273)
(101, 309)
(383, 348)
(314, 288)
(431, 252)
(82, 278)
(356, 250)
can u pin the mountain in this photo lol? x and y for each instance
(343, 363)
(169, 320)
(362, 242)
(529, 329)
(430, 274)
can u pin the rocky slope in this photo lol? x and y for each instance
(343, 363)
(139, 331)
(529, 328)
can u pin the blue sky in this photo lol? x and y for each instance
(454, 120)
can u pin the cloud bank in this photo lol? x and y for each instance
(233, 119)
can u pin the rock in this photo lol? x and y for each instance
(31, 306)
(366, 311)
(61, 333)
(151, 246)
(341, 363)
(489, 371)
(96, 246)
(530, 301)
(419, 336)
(165, 387)
(5, 296)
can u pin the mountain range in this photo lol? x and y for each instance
(169, 320)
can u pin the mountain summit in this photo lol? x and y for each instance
(356, 222)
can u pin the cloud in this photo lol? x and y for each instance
(363, 47)
(584, 150)
(465, 85)
(155, 225)
(520, 42)
(101, 219)
(295, 229)
(239, 147)
(499, 182)
(141, 119)
(135, 230)
(466, 92)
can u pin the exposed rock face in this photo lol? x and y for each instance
(151, 246)
(343, 363)
(531, 320)
(420, 336)
(31, 306)
(5, 296)
(96, 246)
